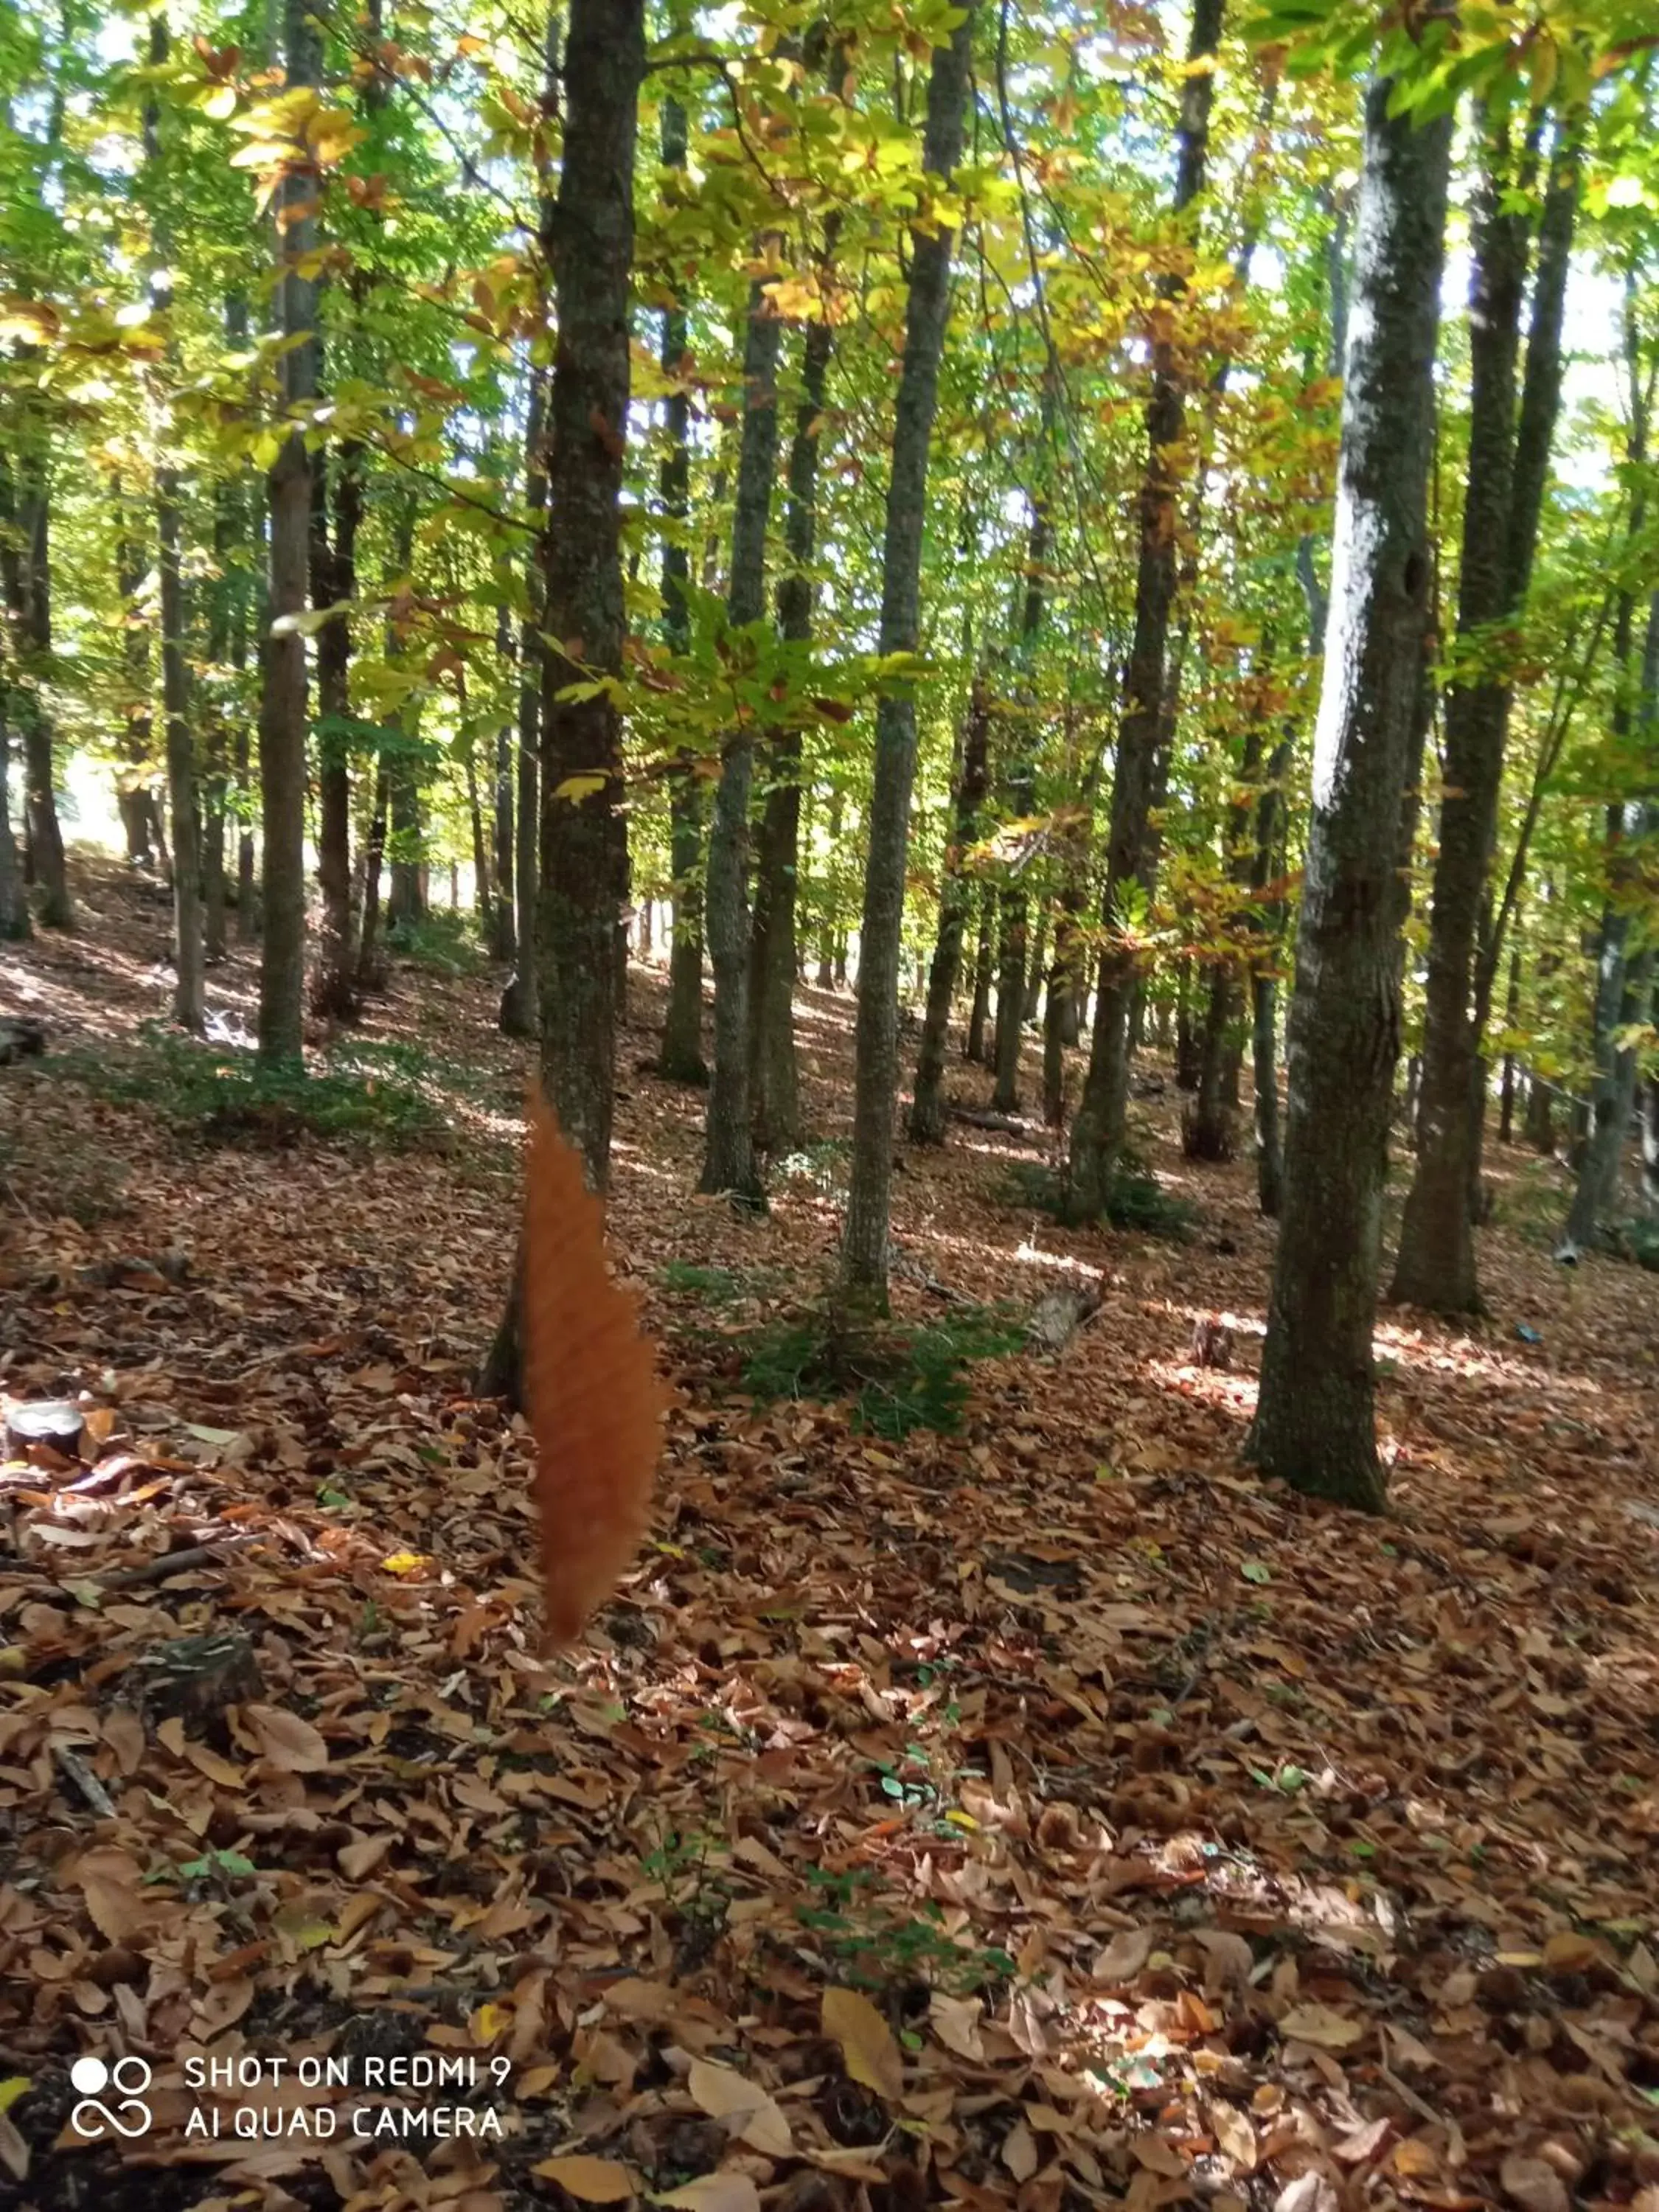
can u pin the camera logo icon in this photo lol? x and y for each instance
(128, 2077)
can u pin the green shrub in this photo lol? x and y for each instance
(899, 1378)
(221, 1093)
(1638, 1240)
(1135, 1199)
(443, 943)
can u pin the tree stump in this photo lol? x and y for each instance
(1055, 1319)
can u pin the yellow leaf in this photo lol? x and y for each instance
(488, 2021)
(868, 2048)
(575, 789)
(18, 2086)
(406, 1563)
(590, 2181)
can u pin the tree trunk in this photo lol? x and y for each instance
(774, 1080)
(605, 63)
(864, 1252)
(979, 1012)
(283, 717)
(1315, 1426)
(188, 1009)
(1539, 1131)
(25, 575)
(504, 941)
(1268, 931)
(369, 942)
(1011, 1001)
(955, 895)
(521, 1002)
(1595, 1198)
(1436, 1265)
(1034, 973)
(1511, 1015)
(1097, 1130)
(135, 799)
(681, 1058)
(729, 1147)
(14, 921)
(333, 580)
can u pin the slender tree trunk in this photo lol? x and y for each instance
(956, 897)
(520, 1002)
(605, 63)
(1511, 1015)
(283, 717)
(1624, 989)
(188, 1009)
(25, 574)
(979, 1011)
(368, 941)
(15, 919)
(774, 1080)
(864, 1252)
(334, 580)
(1037, 970)
(1011, 1001)
(1268, 931)
(134, 797)
(1436, 1264)
(504, 943)
(1097, 1130)
(1540, 1130)
(729, 1147)
(1314, 1425)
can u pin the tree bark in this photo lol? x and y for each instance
(979, 1011)
(521, 1014)
(774, 1080)
(1435, 1263)
(604, 62)
(864, 1251)
(334, 580)
(927, 1125)
(729, 1163)
(188, 1009)
(282, 716)
(26, 576)
(1314, 1425)
(15, 922)
(1097, 1130)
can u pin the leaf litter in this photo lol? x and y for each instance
(1049, 1813)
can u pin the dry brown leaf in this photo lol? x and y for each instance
(590, 1383)
(1233, 2131)
(1019, 2151)
(715, 2192)
(1325, 2029)
(1159, 2156)
(868, 2048)
(1123, 1958)
(745, 2108)
(956, 2021)
(1533, 2184)
(289, 1744)
(590, 2181)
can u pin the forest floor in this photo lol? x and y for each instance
(1046, 1813)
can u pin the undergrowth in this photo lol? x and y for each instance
(898, 1376)
(1135, 1199)
(221, 1094)
(442, 943)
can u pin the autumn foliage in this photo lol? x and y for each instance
(590, 1387)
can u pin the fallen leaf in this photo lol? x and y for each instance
(867, 2049)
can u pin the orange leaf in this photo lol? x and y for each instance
(590, 1387)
